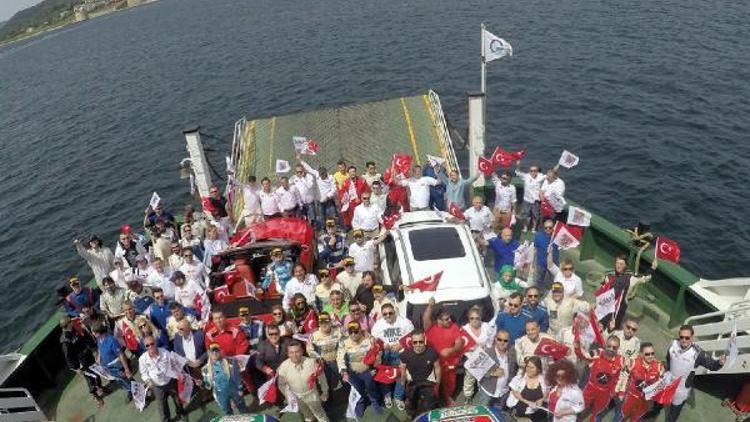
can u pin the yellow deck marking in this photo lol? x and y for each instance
(412, 138)
(433, 119)
(271, 166)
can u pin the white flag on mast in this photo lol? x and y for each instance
(495, 47)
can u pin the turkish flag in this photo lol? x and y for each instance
(268, 393)
(208, 206)
(386, 374)
(266, 318)
(402, 164)
(310, 323)
(667, 249)
(390, 220)
(666, 395)
(468, 340)
(184, 387)
(222, 295)
(551, 348)
(372, 354)
(202, 306)
(456, 211)
(517, 155)
(501, 158)
(313, 146)
(427, 284)
(314, 376)
(405, 341)
(485, 166)
(128, 335)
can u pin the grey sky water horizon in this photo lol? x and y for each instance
(8, 8)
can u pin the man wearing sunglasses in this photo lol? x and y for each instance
(493, 387)
(534, 310)
(154, 366)
(390, 329)
(605, 370)
(682, 359)
(79, 297)
(512, 320)
(420, 374)
(645, 370)
(445, 337)
(630, 345)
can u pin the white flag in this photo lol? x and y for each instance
(606, 303)
(495, 47)
(733, 351)
(651, 390)
(138, 390)
(435, 161)
(523, 255)
(354, 397)
(101, 371)
(305, 146)
(282, 166)
(230, 165)
(565, 240)
(154, 202)
(578, 217)
(568, 159)
(478, 363)
(292, 406)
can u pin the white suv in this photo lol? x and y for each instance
(423, 245)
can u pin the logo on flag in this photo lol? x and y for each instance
(372, 353)
(405, 341)
(305, 146)
(128, 336)
(501, 158)
(495, 47)
(427, 284)
(315, 374)
(221, 294)
(551, 348)
(568, 159)
(606, 301)
(154, 202)
(138, 390)
(663, 390)
(310, 323)
(435, 161)
(485, 166)
(578, 217)
(282, 166)
(389, 221)
(564, 237)
(478, 363)
(667, 249)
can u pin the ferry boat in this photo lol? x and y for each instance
(36, 385)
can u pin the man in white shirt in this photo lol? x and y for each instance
(154, 367)
(532, 183)
(553, 191)
(390, 329)
(185, 292)
(326, 191)
(193, 269)
(377, 196)
(289, 199)
(479, 218)
(505, 199)
(419, 189)
(159, 277)
(251, 202)
(305, 185)
(363, 251)
(367, 217)
(371, 173)
(493, 387)
(269, 200)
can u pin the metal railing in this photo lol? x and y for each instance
(17, 405)
(443, 131)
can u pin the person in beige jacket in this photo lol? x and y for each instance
(296, 374)
(562, 308)
(526, 345)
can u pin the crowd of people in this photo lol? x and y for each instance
(337, 326)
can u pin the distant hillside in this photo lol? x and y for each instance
(47, 11)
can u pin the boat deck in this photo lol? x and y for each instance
(72, 403)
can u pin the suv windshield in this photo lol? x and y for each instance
(436, 243)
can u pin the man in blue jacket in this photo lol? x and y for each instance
(190, 344)
(504, 248)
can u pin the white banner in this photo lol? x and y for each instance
(733, 352)
(304, 146)
(524, 255)
(478, 363)
(435, 161)
(354, 397)
(154, 202)
(292, 406)
(606, 303)
(282, 166)
(495, 47)
(568, 159)
(138, 390)
(650, 390)
(565, 240)
(578, 217)
(101, 371)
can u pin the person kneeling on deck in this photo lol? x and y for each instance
(231, 339)
(222, 376)
(155, 366)
(302, 378)
(77, 351)
(278, 272)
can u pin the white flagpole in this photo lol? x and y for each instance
(484, 64)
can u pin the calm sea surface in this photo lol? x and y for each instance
(653, 96)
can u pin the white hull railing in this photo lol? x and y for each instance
(713, 337)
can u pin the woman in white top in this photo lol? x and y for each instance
(97, 256)
(528, 391)
(565, 399)
(565, 275)
(212, 245)
(483, 334)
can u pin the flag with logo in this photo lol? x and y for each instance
(138, 391)
(372, 353)
(501, 158)
(478, 363)
(405, 341)
(586, 329)
(565, 237)
(486, 166)
(154, 202)
(402, 164)
(468, 340)
(282, 166)
(663, 390)
(568, 159)
(202, 305)
(313, 378)
(427, 284)
(494, 47)
(305, 146)
(128, 336)
(667, 250)
(524, 255)
(185, 386)
(268, 392)
(606, 300)
(435, 161)
(387, 374)
(551, 348)
(389, 221)
(351, 407)
(579, 217)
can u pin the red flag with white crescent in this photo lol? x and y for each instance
(565, 236)
(468, 340)
(386, 374)
(372, 353)
(310, 323)
(551, 348)
(314, 376)
(390, 220)
(402, 164)
(405, 341)
(485, 166)
(268, 392)
(456, 211)
(501, 158)
(427, 284)
(222, 295)
(667, 249)
(184, 387)
(128, 336)
(517, 155)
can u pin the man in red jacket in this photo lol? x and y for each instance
(231, 339)
(444, 336)
(605, 371)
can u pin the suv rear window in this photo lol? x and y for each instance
(436, 243)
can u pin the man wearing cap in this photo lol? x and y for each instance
(333, 245)
(253, 328)
(112, 299)
(324, 288)
(358, 313)
(326, 190)
(222, 375)
(231, 339)
(193, 269)
(155, 367)
(364, 251)
(186, 292)
(390, 329)
(324, 345)
(97, 256)
(561, 308)
(278, 272)
(355, 371)
(367, 217)
(350, 278)
(141, 297)
(79, 297)
(299, 375)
